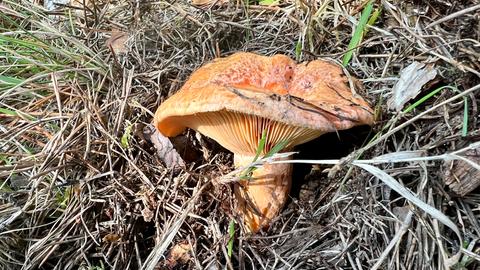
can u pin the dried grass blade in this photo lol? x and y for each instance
(170, 231)
(411, 197)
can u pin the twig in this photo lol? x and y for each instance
(453, 15)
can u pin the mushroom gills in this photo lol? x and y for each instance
(241, 133)
(262, 196)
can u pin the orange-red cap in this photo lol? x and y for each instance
(234, 99)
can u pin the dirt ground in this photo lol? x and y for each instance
(82, 188)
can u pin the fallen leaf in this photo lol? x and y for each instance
(147, 214)
(165, 149)
(179, 254)
(117, 42)
(411, 80)
(111, 237)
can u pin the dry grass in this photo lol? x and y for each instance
(74, 196)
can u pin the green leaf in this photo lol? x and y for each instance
(63, 196)
(358, 34)
(231, 233)
(126, 136)
(268, 2)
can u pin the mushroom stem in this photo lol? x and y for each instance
(261, 198)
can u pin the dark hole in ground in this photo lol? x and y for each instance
(327, 146)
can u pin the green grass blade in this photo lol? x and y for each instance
(434, 92)
(277, 148)
(231, 233)
(63, 196)
(423, 99)
(4, 187)
(373, 19)
(10, 80)
(298, 50)
(465, 117)
(17, 113)
(8, 112)
(357, 35)
(261, 145)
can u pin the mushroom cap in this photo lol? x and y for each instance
(250, 92)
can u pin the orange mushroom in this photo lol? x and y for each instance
(234, 99)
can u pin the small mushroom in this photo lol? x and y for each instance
(234, 99)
